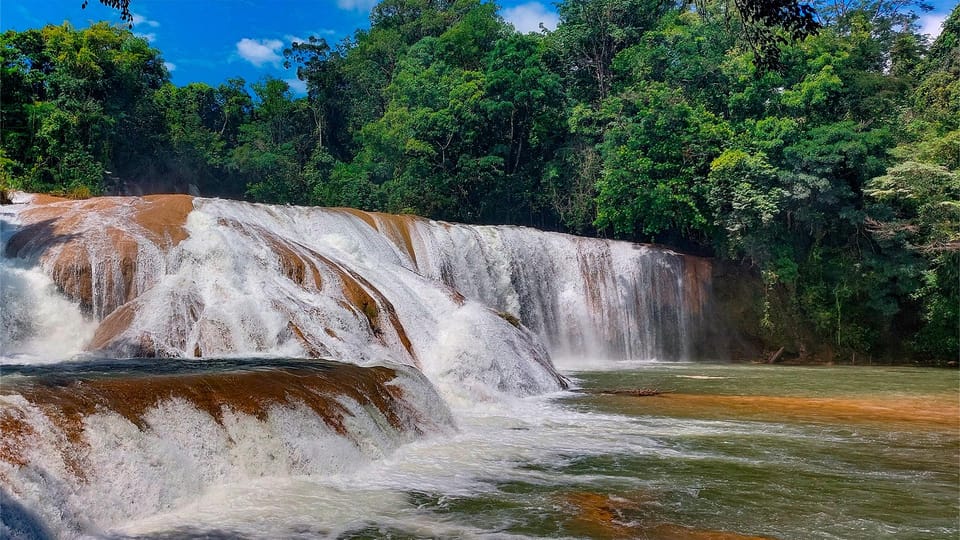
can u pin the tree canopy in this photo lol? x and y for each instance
(819, 148)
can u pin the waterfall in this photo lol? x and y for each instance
(170, 322)
(36, 321)
(170, 276)
(584, 297)
(86, 451)
(177, 276)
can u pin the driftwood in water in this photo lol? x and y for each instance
(636, 392)
(776, 356)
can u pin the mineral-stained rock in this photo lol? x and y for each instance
(101, 252)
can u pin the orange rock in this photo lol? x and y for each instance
(611, 516)
(698, 278)
(70, 237)
(313, 350)
(396, 227)
(600, 516)
(114, 325)
(367, 217)
(935, 412)
(302, 265)
(16, 430)
(318, 387)
(360, 295)
(164, 216)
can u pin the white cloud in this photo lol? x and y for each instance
(356, 5)
(299, 87)
(140, 19)
(171, 67)
(150, 37)
(260, 51)
(932, 24)
(528, 17)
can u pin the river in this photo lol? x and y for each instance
(330, 373)
(726, 452)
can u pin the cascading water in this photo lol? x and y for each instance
(240, 279)
(172, 277)
(583, 296)
(92, 444)
(36, 321)
(330, 373)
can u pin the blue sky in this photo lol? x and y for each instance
(213, 40)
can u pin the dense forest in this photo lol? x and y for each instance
(831, 170)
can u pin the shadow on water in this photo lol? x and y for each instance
(27, 241)
(19, 522)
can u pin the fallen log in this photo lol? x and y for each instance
(635, 392)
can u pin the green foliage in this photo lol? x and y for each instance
(272, 145)
(73, 102)
(917, 208)
(592, 33)
(827, 160)
(940, 297)
(746, 198)
(656, 152)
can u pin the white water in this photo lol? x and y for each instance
(493, 444)
(37, 323)
(524, 441)
(585, 297)
(121, 472)
(223, 292)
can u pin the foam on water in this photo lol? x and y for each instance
(270, 280)
(88, 477)
(257, 280)
(493, 444)
(525, 441)
(512, 465)
(37, 323)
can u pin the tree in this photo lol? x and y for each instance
(815, 143)
(74, 103)
(121, 5)
(769, 24)
(913, 207)
(592, 32)
(273, 146)
(656, 153)
(747, 200)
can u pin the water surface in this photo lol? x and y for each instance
(732, 451)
